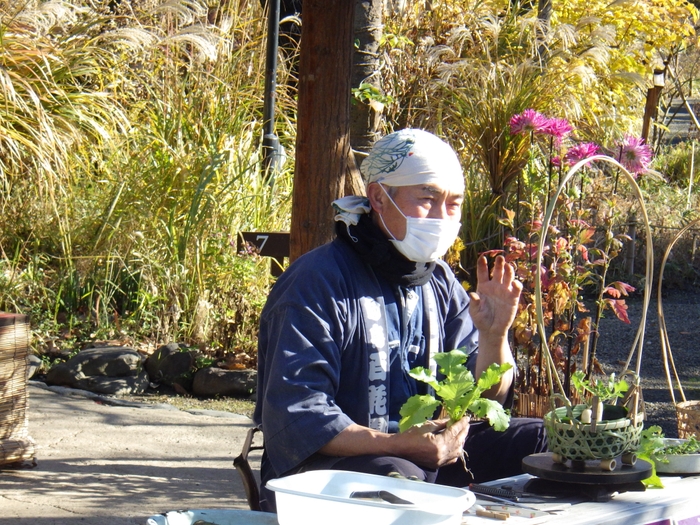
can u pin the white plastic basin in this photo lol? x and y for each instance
(322, 497)
(213, 516)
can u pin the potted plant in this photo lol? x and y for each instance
(597, 428)
(579, 245)
(669, 455)
(571, 434)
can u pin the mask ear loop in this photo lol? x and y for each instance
(381, 217)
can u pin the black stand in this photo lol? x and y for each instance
(587, 479)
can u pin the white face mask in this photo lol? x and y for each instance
(426, 240)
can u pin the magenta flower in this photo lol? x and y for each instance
(528, 121)
(557, 128)
(556, 161)
(635, 155)
(580, 151)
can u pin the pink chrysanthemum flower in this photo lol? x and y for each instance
(635, 155)
(527, 121)
(556, 161)
(557, 128)
(580, 151)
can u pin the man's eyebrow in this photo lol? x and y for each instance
(435, 189)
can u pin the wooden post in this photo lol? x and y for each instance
(365, 116)
(323, 121)
(652, 104)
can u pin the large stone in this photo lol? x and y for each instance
(213, 382)
(171, 364)
(107, 370)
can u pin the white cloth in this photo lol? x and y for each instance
(413, 156)
(348, 209)
(404, 158)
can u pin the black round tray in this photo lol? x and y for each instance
(542, 466)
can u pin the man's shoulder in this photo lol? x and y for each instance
(446, 284)
(326, 269)
(443, 273)
(328, 258)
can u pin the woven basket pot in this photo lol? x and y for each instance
(576, 441)
(688, 416)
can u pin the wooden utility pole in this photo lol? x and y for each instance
(323, 154)
(365, 115)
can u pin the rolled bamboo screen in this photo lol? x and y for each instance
(15, 443)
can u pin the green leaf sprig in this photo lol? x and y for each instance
(457, 393)
(605, 390)
(653, 448)
(651, 443)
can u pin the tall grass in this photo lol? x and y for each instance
(135, 229)
(130, 140)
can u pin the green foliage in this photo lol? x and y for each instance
(652, 448)
(651, 442)
(691, 446)
(458, 393)
(127, 182)
(606, 390)
(676, 163)
(367, 93)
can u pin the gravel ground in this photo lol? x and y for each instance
(682, 316)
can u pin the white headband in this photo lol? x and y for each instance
(413, 156)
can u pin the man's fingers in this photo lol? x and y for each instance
(482, 269)
(517, 286)
(498, 265)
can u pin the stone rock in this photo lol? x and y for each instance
(108, 370)
(33, 365)
(212, 382)
(171, 365)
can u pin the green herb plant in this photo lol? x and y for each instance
(606, 390)
(457, 394)
(653, 448)
(692, 446)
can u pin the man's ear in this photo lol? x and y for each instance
(377, 197)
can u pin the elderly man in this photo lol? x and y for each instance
(347, 321)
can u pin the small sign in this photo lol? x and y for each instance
(267, 244)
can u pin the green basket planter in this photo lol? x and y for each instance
(577, 441)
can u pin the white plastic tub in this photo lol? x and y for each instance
(214, 516)
(322, 497)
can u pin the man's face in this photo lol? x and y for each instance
(421, 200)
